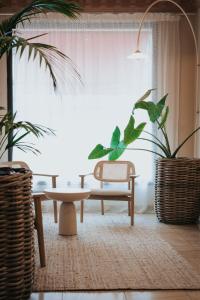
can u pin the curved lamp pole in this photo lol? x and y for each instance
(137, 52)
(184, 13)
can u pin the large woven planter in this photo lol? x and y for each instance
(177, 190)
(16, 237)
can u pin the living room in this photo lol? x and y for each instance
(100, 149)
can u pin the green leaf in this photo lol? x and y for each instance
(37, 7)
(99, 151)
(154, 110)
(131, 133)
(115, 137)
(116, 153)
(181, 145)
(161, 104)
(151, 109)
(13, 141)
(17, 131)
(164, 118)
(138, 130)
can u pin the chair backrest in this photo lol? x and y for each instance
(114, 171)
(14, 164)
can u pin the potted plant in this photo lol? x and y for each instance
(177, 180)
(16, 217)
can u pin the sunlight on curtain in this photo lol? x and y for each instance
(168, 72)
(86, 114)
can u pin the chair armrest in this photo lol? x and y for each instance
(134, 176)
(132, 182)
(53, 178)
(83, 178)
(46, 175)
(84, 175)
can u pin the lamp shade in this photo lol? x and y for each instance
(137, 55)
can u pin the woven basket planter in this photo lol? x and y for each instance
(177, 190)
(16, 237)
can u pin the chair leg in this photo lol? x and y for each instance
(39, 228)
(102, 207)
(55, 211)
(81, 211)
(129, 208)
(132, 211)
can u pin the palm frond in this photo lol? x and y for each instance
(25, 148)
(37, 7)
(17, 131)
(47, 54)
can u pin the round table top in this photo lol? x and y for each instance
(67, 194)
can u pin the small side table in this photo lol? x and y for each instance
(67, 215)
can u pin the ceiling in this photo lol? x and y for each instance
(9, 6)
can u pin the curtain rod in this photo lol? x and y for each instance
(20, 30)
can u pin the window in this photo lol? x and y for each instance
(84, 114)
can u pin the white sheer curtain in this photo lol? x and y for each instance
(84, 115)
(167, 71)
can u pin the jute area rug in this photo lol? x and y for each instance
(108, 254)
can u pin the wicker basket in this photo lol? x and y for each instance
(16, 237)
(177, 190)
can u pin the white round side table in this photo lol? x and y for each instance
(67, 215)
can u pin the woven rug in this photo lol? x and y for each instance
(108, 254)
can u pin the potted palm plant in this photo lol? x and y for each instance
(16, 218)
(177, 179)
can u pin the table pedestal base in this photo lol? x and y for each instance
(67, 219)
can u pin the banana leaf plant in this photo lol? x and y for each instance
(158, 114)
(12, 132)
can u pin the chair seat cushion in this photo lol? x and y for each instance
(103, 192)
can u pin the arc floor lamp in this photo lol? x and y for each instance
(137, 51)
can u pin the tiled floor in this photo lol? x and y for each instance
(186, 241)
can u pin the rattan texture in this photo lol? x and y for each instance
(177, 190)
(16, 236)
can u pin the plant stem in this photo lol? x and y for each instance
(154, 136)
(145, 150)
(162, 147)
(165, 136)
(187, 138)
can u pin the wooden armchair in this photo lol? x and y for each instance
(114, 172)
